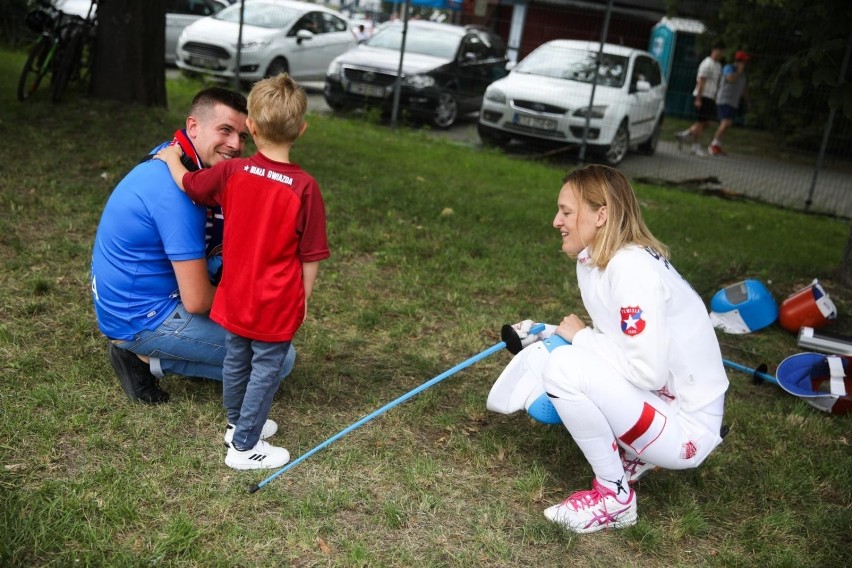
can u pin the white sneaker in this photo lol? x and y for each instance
(269, 429)
(682, 138)
(262, 456)
(699, 151)
(634, 468)
(590, 511)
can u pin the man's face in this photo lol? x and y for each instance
(218, 134)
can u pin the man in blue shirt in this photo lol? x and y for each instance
(151, 276)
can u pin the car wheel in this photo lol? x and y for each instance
(615, 152)
(446, 111)
(278, 66)
(649, 146)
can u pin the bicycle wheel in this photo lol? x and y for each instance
(68, 65)
(36, 67)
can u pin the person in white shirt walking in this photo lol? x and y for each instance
(704, 94)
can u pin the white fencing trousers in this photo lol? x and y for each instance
(599, 405)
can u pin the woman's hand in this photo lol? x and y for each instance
(569, 326)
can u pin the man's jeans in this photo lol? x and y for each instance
(253, 370)
(187, 344)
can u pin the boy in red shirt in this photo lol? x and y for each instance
(274, 238)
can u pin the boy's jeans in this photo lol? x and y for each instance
(252, 372)
(189, 345)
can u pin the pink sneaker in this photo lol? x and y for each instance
(590, 511)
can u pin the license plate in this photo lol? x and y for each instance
(366, 90)
(204, 62)
(535, 122)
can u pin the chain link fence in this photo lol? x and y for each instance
(795, 153)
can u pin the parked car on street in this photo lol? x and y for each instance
(179, 14)
(279, 36)
(546, 97)
(445, 70)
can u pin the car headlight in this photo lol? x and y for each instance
(418, 81)
(250, 45)
(596, 111)
(334, 68)
(495, 95)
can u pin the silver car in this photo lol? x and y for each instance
(179, 14)
(278, 36)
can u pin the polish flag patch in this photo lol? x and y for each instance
(631, 321)
(648, 428)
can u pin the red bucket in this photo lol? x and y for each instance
(809, 307)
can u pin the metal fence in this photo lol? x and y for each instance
(797, 155)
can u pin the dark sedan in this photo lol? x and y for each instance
(445, 71)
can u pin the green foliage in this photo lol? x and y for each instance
(434, 246)
(798, 49)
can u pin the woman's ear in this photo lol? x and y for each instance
(602, 217)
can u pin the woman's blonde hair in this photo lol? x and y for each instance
(277, 105)
(602, 186)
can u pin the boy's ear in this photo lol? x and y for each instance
(303, 128)
(251, 127)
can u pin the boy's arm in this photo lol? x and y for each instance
(171, 156)
(309, 276)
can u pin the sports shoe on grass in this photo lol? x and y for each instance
(681, 138)
(135, 376)
(634, 468)
(698, 151)
(716, 150)
(262, 456)
(590, 511)
(269, 429)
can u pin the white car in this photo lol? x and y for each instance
(547, 97)
(278, 36)
(179, 14)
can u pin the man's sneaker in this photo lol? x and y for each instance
(135, 377)
(698, 151)
(269, 429)
(590, 511)
(716, 150)
(634, 468)
(262, 456)
(682, 138)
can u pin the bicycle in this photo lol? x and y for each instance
(62, 50)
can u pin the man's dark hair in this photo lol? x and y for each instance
(218, 95)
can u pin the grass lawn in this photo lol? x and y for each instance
(434, 247)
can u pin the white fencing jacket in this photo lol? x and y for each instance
(652, 326)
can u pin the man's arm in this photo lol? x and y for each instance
(196, 292)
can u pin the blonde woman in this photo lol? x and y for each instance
(643, 386)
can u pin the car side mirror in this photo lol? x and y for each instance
(302, 35)
(642, 86)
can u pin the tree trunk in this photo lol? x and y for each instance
(129, 64)
(844, 273)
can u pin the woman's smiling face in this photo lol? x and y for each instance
(577, 221)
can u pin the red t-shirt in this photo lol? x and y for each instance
(274, 221)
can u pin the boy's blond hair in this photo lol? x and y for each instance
(277, 105)
(601, 186)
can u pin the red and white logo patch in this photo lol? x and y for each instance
(688, 451)
(631, 320)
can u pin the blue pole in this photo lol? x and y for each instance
(464, 364)
(753, 372)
